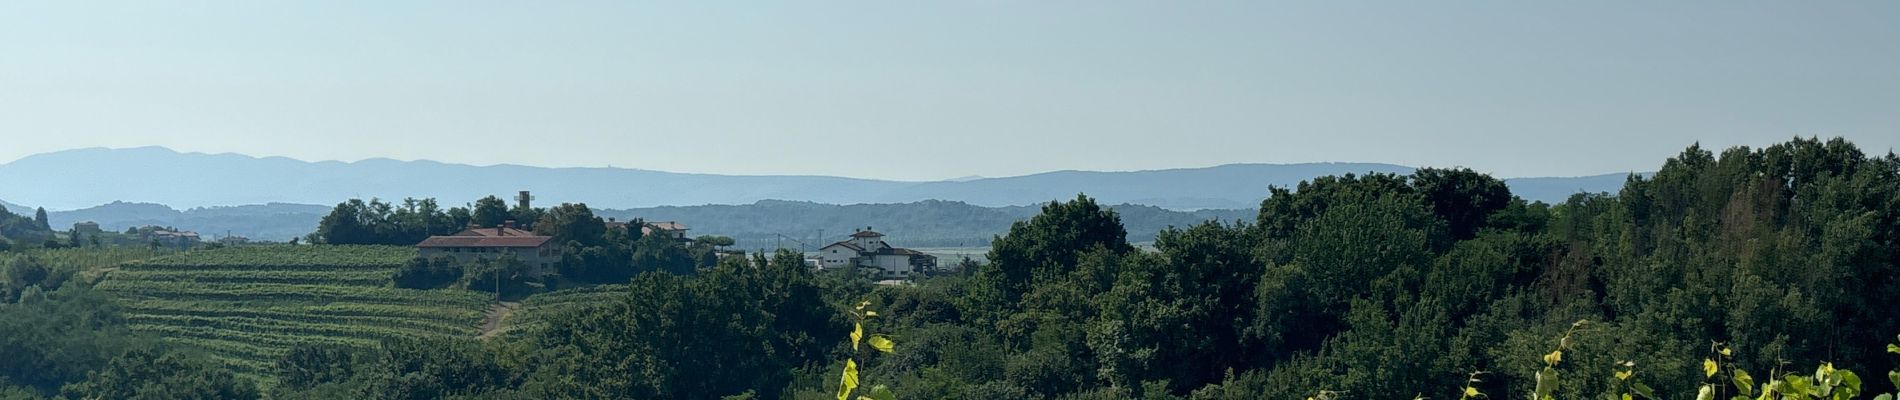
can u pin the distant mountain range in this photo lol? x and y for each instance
(69, 180)
(16, 208)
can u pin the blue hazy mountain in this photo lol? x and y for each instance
(275, 221)
(16, 208)
(74, 179)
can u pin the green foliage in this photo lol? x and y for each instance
(51, 343)
(743, 324)
(1047, 247)
(490, 211)
(572, 222)
(428, 273)
(378, 222)
(149, 374)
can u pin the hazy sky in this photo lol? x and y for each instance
(914, 90)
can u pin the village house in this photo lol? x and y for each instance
(671, 229)
(166, 237)
(866, 249)
(88, 228)
(538, 252)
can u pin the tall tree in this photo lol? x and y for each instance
(572, 222)
(1047, 246)
(1463, 198)
(490, 211)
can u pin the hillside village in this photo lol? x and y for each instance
(864, 249)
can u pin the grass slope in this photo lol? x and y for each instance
(246, 306)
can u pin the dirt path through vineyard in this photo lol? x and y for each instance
(491, 324)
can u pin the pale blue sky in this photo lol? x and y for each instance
(914, 90)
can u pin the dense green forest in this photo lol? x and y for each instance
(1722, 275)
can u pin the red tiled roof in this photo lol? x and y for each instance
(867, 234)
(484, 241)
(493, 232)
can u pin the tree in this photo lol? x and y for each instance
(490, 212)
(39, 218)
(741, 325)
(1463, 198)
(1048, 246)
(572, 222)
(659, 253)
(428, 273)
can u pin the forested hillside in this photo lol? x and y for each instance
(1724, 274)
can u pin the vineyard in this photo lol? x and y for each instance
(537, 310)
(89, 264)
(246, 306)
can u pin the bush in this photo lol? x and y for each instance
(423, 273)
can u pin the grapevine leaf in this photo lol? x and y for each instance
(1706, 393)
(857, 334)
(870, 314)
(1849, 380)
(1471, 392)
(1798, 385)
(1895, 377)
(1546, 383)
(1643, 390)
(1709, 367)
(1745, 383)
(881, 343)
(849, 381)
(1726, 352)
(1554, 357)
(1884, 396)
(1624, 375)
(1893, 348)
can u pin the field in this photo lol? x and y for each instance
(246, 306)
(89, 264)
(537, 309)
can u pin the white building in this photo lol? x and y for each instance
(866, 249)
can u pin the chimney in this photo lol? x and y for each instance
(508, 224)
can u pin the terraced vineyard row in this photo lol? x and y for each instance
(247, 306)
(535, 310)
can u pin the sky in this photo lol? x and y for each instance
(914, 90)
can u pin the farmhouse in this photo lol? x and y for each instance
(87, 227)
(866, 249)
(468, 245)
(671, 229)
(167, 237)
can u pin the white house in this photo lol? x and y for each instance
(866, 249)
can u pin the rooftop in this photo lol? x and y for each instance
(502, 231)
